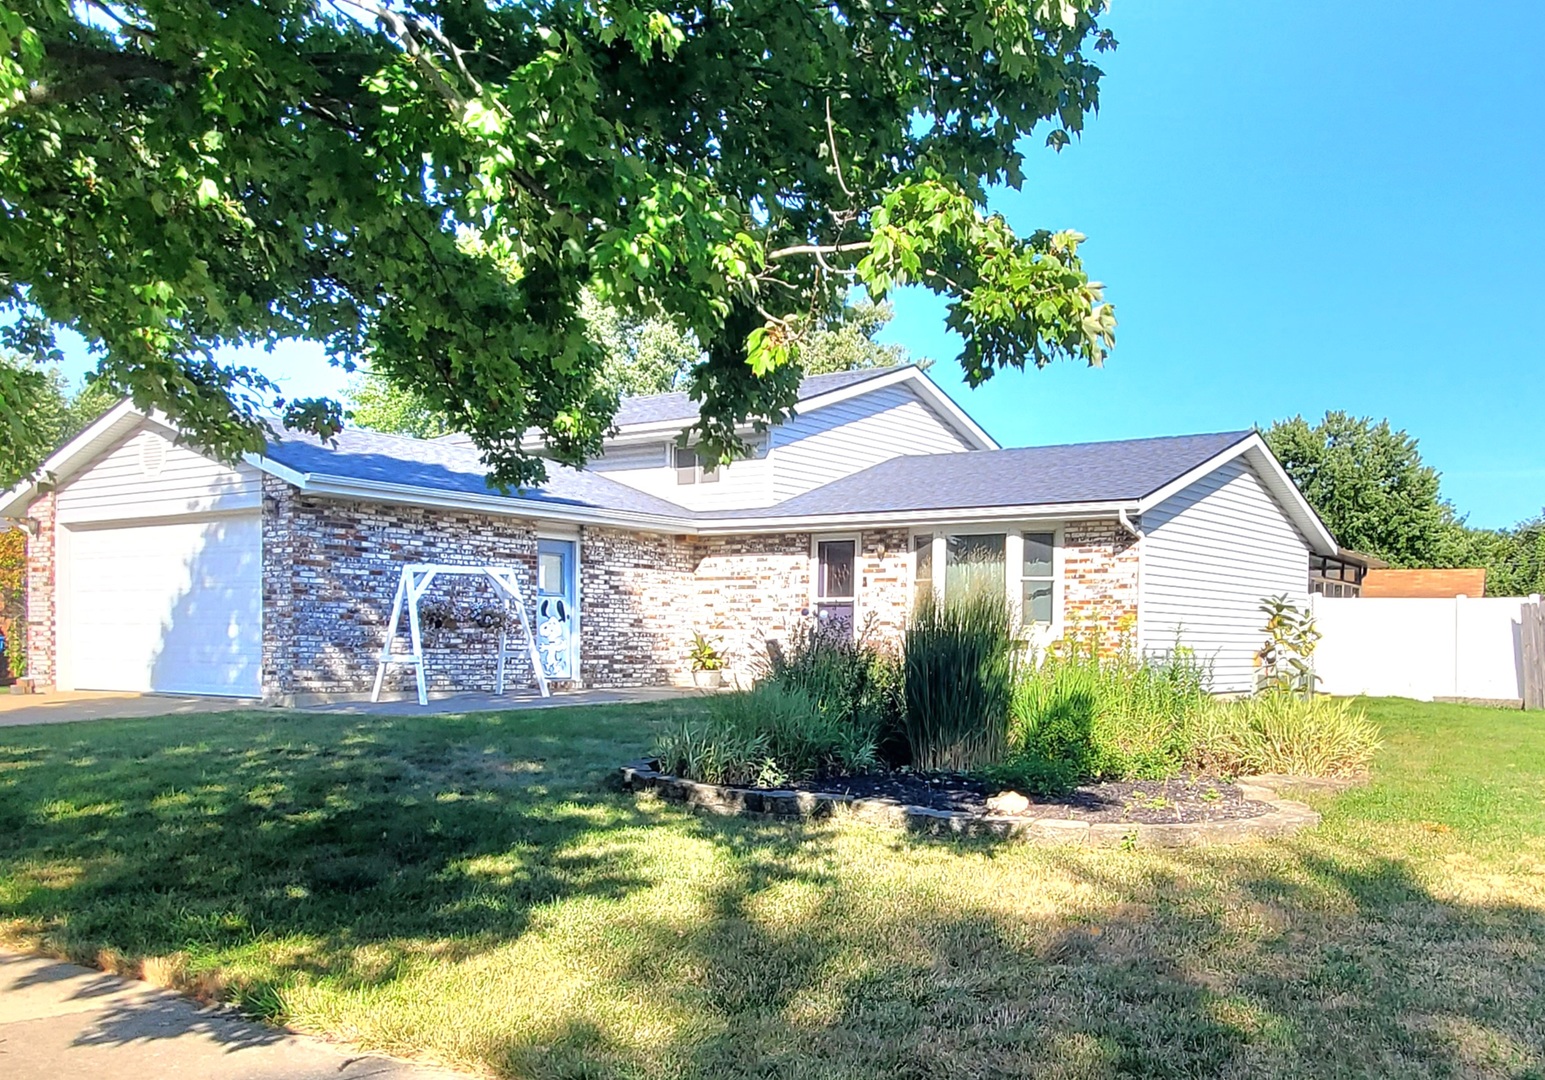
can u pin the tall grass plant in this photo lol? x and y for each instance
(959, 662)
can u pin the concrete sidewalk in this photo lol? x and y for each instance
(63, 1022)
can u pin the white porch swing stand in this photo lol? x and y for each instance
(411, 587)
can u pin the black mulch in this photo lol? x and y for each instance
(1147, 802)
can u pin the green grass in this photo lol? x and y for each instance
(468, 890)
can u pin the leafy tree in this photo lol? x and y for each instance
(643, 356)
(1369, 485)
(433, 184)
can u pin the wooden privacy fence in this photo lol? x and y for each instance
(1531, 633)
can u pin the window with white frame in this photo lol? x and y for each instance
(1023, 564)
(1038, 578)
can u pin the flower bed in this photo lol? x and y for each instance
(1172, 813)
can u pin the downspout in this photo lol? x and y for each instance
(1127, 525)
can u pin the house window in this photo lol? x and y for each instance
(835, 582)
(1037, 578)
(1022, 566)
(692, 469)
(922, 567)
(974, 561)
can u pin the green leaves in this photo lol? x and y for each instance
(433, 187)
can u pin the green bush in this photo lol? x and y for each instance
(849, 678)
(1278, 732)
(958, 680)
(767, 736)
(1078, 715)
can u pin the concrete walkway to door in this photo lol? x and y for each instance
(63, 1022)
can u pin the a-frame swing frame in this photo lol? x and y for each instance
(414, 583)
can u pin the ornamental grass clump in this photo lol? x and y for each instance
(1079, 714)
(958, 666)
(1282, 732)
(848, 677)
(768, 736)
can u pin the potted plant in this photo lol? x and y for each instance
(707, 663)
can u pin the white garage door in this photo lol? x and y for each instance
(175, 608)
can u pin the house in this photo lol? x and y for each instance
(1341, 574)
(154, 567)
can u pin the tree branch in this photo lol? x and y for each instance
(818, 250)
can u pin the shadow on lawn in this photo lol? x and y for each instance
(439, 836)
(1314, 965)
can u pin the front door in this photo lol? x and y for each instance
(557, 608)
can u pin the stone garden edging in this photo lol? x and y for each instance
(1284, 817)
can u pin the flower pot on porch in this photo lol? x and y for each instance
(708, 680)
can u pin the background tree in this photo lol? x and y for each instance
(433, 184)
(1369, 485)
(39, 412)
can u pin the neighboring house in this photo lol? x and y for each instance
(1341, 574)
(154, 567)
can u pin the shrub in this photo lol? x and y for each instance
(1279, 732)
(958, 680)
(766, 736)
(847, 677)
(1106, 717)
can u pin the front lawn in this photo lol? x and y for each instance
(468, 890)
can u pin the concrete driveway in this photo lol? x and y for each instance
(63, 1022)
(64, 706)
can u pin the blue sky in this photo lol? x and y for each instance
(1299, 207)
(1295, 207)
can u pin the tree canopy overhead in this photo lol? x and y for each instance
(432, 184)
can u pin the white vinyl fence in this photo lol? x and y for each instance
(1453, 648)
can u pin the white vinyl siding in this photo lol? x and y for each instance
(651, 467)
(1211, 553)
(829, 443)
(149, 475)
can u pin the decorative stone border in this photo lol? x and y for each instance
(1284, 817)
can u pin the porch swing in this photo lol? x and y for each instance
(415, 581)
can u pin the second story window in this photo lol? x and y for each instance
(692, 469)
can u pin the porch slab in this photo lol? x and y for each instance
(407, 704)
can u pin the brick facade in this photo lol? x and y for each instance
(42, 597)
(331, 567)
(635, 620)
(1099, 586)
(330, 571)
(747, 589)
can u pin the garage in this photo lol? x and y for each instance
(167, 606)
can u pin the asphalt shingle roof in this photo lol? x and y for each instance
(446, 466)
(660, 408)
(1027, 476)
(1124, 470)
